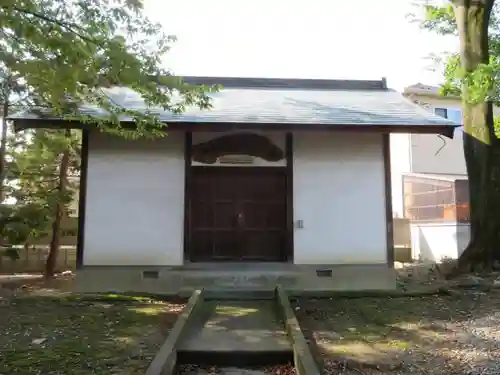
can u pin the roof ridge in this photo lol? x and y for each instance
(292, 83)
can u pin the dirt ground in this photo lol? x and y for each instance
(457, 334)
(45, 330)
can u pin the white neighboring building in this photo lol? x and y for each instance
(431, 162)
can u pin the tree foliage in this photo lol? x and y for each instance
(483, 83)
(68, 52)
(13, 96)
(29, 175)
(55, 56)
(33, 181)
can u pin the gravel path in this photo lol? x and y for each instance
(478, 338)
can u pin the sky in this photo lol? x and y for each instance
(344, 39)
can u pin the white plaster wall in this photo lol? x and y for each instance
(339, 196)
(435, 241)
(135, 201)
(400, 164)
(438, 154)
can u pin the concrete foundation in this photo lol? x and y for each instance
(233, 277)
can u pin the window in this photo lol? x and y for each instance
(452, 114)
(443, 112)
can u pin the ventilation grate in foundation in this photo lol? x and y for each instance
(324, 273)
(150, 274)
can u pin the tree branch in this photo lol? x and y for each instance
(64, 25)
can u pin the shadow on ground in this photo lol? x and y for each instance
(456, 334)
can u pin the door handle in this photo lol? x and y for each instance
(240, 219)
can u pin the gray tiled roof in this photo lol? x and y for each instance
(282, 101)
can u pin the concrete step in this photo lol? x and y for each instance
(239, 294)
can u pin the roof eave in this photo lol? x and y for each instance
(443, 129)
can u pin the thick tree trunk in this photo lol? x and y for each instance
(55, 241)
(481, 146)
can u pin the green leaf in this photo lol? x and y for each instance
(65, 52)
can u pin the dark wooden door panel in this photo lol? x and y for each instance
(265, 246)
(223, 213)
(224, 245)
(238, 214)
(201, 215)
(263, 215)
(201, 245)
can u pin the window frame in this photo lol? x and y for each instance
(445, 111)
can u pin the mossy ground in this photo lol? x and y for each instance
(105, 334)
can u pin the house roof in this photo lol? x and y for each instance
(420, 88)
(285, 101)
(426, 90)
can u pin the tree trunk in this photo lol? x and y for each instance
(3, 146)
(55, 241)
(481, 146)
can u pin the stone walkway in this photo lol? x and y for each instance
(237, 326)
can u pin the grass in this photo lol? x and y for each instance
(107, 334)
(235, 310)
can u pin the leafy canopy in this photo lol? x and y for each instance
(67, 52)
(483, 84)
(32, 179)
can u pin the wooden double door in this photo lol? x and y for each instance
(237, 214)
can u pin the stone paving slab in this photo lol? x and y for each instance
(241, 326)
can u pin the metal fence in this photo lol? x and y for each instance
(436, 198)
